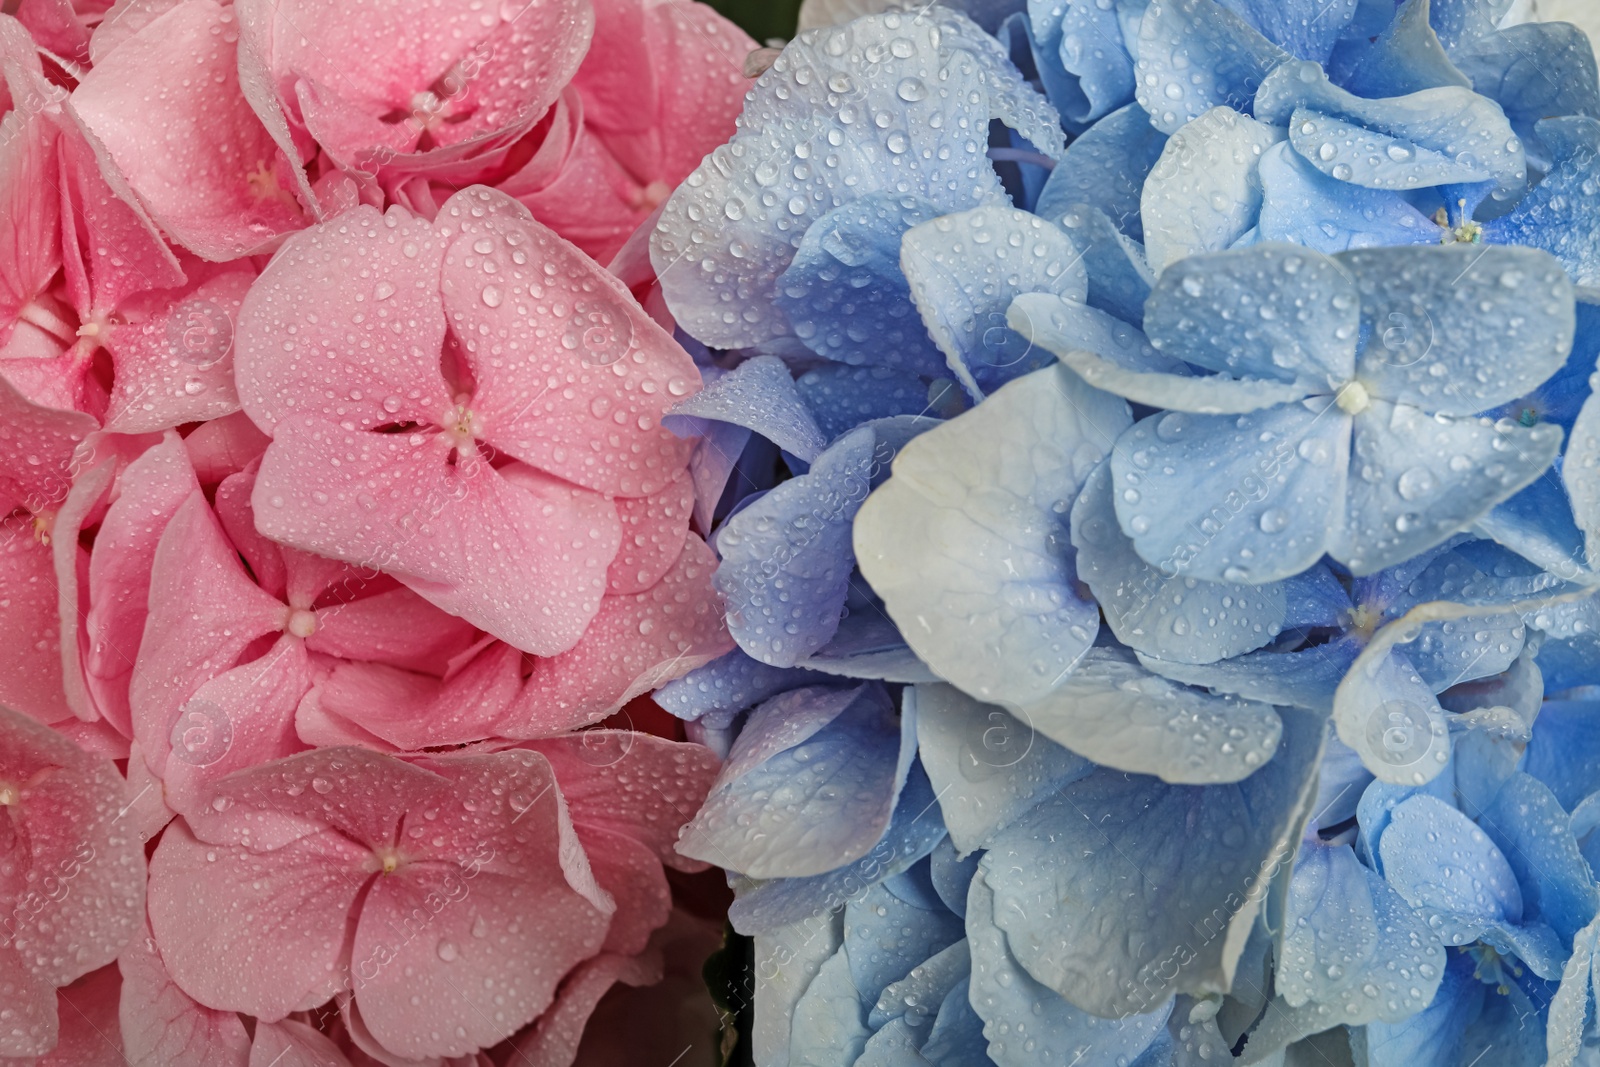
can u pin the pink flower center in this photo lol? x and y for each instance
(388, 859)
(462, 426)
(302, 623)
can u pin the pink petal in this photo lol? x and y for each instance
(636, 643)
(176, 366)
(416, 711)
(91, 1035)
(56, 27)
(200, 160)
(293, 1044)
(653, 532)
(204, 613)
(396, 627)
(30, 624)
(36, 446)
(31, 1026)
(554, 1041)
(147, 805)
(496, 920)
(30, 250)
(148, 494)
(162, 1026)
(346, 323)
(276, 937)
(633, 876)
(67, 820)
(572, 376)
(238, 519)
(224, 446)
(592, 201)
(513, 551)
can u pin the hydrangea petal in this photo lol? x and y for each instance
(1093, 49)
(1444, 865)
(728, 685)
(1195, 55)
(1120, 279)
(1304, 679)
(161, 1024)
(1302, 205)
(760, 394)
(887, 936)
(1114, 852)
(1433, 1036)
(964, 270)
(1105, 167)
(1534, 70)
(1204, 192)
(987, 766)
(829, 1021)
(1250, 498)
(1559, 214)
(1405, 58)
(842, 398)
(1450, 471)
(1306, 29)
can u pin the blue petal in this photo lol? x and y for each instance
(1315, 598)
(1204, 193)
(1459, 22)
(1195, 55)
(1433, 1036)
(967, 547)
(1416, 479)
(1562, 754)
(809, 787)
(1303, 329)
(1537, 523)
(728, 685)
(1119, 278)
(915, 998)
(1561, 396)
(986, 766)
(867, 645)
(829, 1025)
(1120, 715)
(844, 294)
(1341, 783)
(1232, 498)
(842, 398)
(1533, 832)
(1447, 868)
(1106, 168)
(787, 560)
(1160, 614)
(729, 232)
(1092, 48)
(965, 269)
(1114, 852)
(957, 1038)
(1030, 1025)
(760, 395)
(911, 835)
(886, 937)
(1572, 1008)
(1434, 137)
(1304, 679)
(1306, 29)
(1388, 714)
(1477, 326)
(893, 1045)
(786, 962)
(952, 874)
(1562, 213)
(1406, 58)
(1302, 205)
(713, 464)
(1012, 100)
(1534, 71)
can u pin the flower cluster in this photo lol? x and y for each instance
(1156, 472)
(335, 504)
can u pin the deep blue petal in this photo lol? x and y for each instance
(1433, 1036)
(1533, 832)
(1565, 751)
(1303, 679)
(1562, 213)
(1119, 278)
(1106, 168)
(842, 398)
(1306, 29)
(1449, 869)
(728, 685)
(1534, 71)
(1406, 58)
(886, 937)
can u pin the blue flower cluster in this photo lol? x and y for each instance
(1153, 452)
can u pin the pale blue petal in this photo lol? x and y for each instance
(728, 685)
(1562, 213)
(987, 766)
(844, 294)
(886, 937)
(1433, 1036)
(951, 873)
(1388, 714)
(1573, 1005)
(1449, 869)
(1119, 278)
(1565, 751)
(1092, 49)
(1433, 137)
(809, 787)
(965, 269)
(1307, 29)
(732, 228)
(1012, 101)
(1534, 833)
(1204, 193)
(786, 961)
(1561, 396)
(1166, 615)
(1115, 852)
(894, 1045)
(1416, 479)
(1302, 205)
(787, 560)
(759, 394)
(1406, 58)
(1340, 785)
(1315, 598)
(967, 547)
(912, 834)
(1537, 523)
(1120, 715)
(842, 398)
(1106, 168)
(957, 1039)
(1304, 679)
(829, 1026)
(1029, 1025)
(1478, 325)
(1195, 55)
(1233, 498)
(1115, 357)
(713, 464)
(915, 999)
(1459, 22)
(1303, 310)
(1535, 71)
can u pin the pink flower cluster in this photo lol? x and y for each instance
(335, 505)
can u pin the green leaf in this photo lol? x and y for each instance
(762, 19)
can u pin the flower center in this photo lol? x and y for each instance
(1353, 398)
(302, 623)
(388, 859)
(1364, 620)
(10, 795)
(1466, 232)
(462, 425)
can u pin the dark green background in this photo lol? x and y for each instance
(762, 19)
